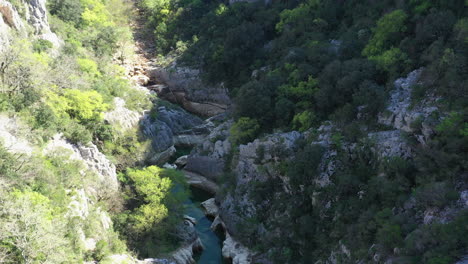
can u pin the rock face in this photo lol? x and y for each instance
(91, 157)
(36, 15)
(191, 242)
(122, 117)
(258, 162)
(403, 116)
(10, 15)
(172, 127)
(391, 144)
(11, 141)
(234, 251)
(10, 20)
(184, 86)
(208, 158)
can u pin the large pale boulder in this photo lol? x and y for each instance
(196, 180)
(121, 116)
(184, 86)
(210, 207)
(235, 251)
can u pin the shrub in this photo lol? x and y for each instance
(42, 45)
(304, 120)
(67, 10)
(244, 130)
(152, 188)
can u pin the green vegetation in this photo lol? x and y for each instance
(294, 64)
(155, 207)
(50, 202)
(311, 57)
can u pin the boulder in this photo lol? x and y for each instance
(210, 207)
(159, 158)
(181, 161)
(183, 86)
(235, 251)
(201, 182)
(218, 225)
(121, 117)
(209, 167)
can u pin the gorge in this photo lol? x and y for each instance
(215, 132)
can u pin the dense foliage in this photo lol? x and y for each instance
(155, 205)
(311, 58)
(292, 65)
(53, 207)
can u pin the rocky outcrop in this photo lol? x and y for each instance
(464, 260)
(402, 115)
(10, 21)
(191, 242)
(166, 128)
(10, 136)
(10, 15)
(183, 86)
(184, 255)
(235, 251)
(36, 15)
(198, 181)
(232, 250)
(391, 144)
(121, 117)
(90, 156)
(208, 158)
(210, 207)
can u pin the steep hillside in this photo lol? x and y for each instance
(346, 137)
(187, 131)
(76, 185)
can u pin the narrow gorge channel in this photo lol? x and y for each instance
(201, 189)
(211, 241)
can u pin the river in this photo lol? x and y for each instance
(211, 241)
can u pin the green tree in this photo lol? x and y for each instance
(153, 189)
(244, 130)
(84, 105)
(30, 232)
(388, 31)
